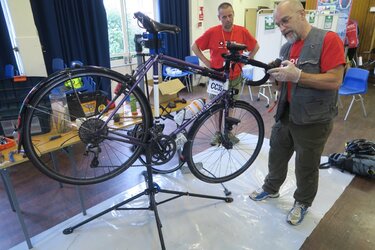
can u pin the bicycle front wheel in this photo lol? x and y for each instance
(66, 136)
(220, 149)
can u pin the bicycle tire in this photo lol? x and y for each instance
(217, 164)
(95, 155)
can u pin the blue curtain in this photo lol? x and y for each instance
(177, 13)
(72, 30)
(6, 51)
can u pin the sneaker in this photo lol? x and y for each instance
(260, 194)
(233, 139)
(216, 139)
(296, 214)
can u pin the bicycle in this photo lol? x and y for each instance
(107, 141)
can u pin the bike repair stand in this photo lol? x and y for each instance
(151, 190)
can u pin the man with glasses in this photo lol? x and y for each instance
(310, 77)
(215, 39)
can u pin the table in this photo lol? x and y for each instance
(47, 146)
(4, 171)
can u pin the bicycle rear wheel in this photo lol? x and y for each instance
(232, 153)
(70, 142)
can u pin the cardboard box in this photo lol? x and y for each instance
(168, 90)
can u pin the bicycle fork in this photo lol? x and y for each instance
(229, 123)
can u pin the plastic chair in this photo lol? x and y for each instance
(170, 73)
(193, 60)
(9, 71)
(58, 64)
(262, 92)
(355, 84)
(247, 74)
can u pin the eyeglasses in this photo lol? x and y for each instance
(285, 20)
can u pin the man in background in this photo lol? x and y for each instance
(215, 40)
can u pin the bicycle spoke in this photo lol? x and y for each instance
(81, 131)
(234, 150)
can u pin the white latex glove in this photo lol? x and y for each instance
(271, 79)
(288, 72)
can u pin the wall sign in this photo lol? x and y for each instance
(269, 23)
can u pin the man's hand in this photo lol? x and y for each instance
(287, 73)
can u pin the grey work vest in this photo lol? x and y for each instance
(308, 105)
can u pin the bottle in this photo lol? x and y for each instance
(133, 105)
(180, 140)
(60, 112)
(15, 135)
(188, 112)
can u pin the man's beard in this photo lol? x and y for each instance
(292, 38)
(228, 26)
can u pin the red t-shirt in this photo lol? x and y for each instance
(331, 57)
(215, 39)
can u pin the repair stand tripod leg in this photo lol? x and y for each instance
(151, 189)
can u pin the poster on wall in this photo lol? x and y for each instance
(312, 17)
(269, 23)
(342, 7)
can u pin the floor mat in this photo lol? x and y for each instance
(199, 223)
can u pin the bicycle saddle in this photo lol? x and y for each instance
(155, 27)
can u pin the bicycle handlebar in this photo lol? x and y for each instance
(266, 67)
(235, 56)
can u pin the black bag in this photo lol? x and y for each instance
(359, 158)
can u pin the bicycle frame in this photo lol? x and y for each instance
(153, 62)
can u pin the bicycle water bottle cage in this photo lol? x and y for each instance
(155, 27)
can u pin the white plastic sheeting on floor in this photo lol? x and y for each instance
(199, 223)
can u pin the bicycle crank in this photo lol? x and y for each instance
(163, 149)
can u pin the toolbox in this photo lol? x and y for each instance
(12, 94)
(88, 104)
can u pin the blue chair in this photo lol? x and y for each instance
(170, 73)
(9, 71)
(58, 64)
(355, 84)
(247, 74)
(193, 60)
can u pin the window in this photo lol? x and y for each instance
(122, 27)
(12, 35)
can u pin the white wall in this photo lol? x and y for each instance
(27, 37)
(240, 6)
